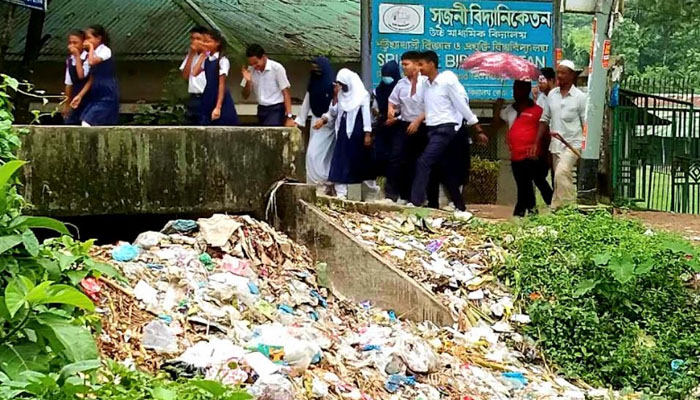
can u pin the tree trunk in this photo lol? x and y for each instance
(6, 33)
(32, 48)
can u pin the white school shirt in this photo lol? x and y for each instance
(224, 63)
(86, 67)
(335, 113)
(411, 107)
(269, 83)
(446, 102)
(565, 116)
(195, 84)
(104, 52)
(542, 100)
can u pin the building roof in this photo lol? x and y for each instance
(156, 30)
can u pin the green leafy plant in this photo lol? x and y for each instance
(122, 383)
(46, 345)
(614, 304)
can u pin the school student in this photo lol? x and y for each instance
(317, 101)
(267, 80)
(405, 109)
(383, 133)
(523, 118)
(446, 107)
(102, 98)
(195, 83)
(76, 76)
(217, 107)
(352, 119)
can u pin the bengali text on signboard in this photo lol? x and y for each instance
(456, 29)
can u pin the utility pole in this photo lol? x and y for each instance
(595, 110)
(365, 41)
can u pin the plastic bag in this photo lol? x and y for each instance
(159, 337)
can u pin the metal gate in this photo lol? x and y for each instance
(656, 146)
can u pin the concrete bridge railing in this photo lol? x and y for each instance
(75, 171)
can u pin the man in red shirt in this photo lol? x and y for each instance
(523, 120)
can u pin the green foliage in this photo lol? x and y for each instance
(124, 384)
(657, 39)
(45, 340)
(615, 307)
(170, 110)
(578, 36)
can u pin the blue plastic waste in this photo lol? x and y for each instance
(371, 347)
(125, 252)
(676, 364)
(166, 318)
(394, 382)
(285, 308)
(392, 315)
(184, 225)
(253, 288)
(320, 298)
(516, 379)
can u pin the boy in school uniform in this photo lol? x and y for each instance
(267, 80)
(405, 110)
(196, 83)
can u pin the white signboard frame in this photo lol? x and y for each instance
(579, 6)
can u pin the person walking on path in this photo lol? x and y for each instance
(446, 106)
(404, 111)
(195, 83)
(217, 107)
(317, 102)
(383, 133)
(76, 76)
(546, 82)
(523, 118)
(565, 118)
(102, 89)
(352, 119)
(267, 81)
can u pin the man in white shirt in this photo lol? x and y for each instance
(565, 117)
(195, 83)
(267, 80)
(446, 107)
(410, 139)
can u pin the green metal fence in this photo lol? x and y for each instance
(656, 146)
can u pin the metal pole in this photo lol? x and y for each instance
(366, 41)
(597, 91)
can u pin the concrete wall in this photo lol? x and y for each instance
(355, 271)
(76, 171)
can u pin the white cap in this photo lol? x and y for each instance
(568, 64)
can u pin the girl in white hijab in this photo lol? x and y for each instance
(352, 160)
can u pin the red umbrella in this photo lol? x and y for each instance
(501, 65)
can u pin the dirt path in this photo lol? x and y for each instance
(684, 224)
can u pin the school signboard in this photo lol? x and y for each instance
(36, 4)
(456, 29)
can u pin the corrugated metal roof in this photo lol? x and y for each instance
(157, 29)
(297, 28)
(139, 29)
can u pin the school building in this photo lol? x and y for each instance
(150, 38)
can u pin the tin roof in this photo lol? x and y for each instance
(156, 30)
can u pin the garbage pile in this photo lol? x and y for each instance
(230, 299)
(442, 253)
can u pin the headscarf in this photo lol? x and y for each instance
(384, 90)
(321, 87)
(352, 100)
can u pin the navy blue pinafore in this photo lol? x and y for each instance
(352, 160)
(73, 117)
(229, 116)
(102, 101)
